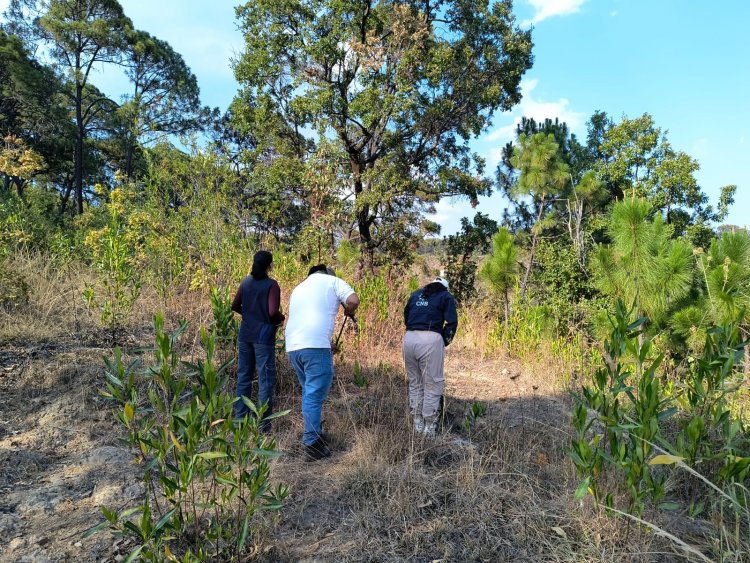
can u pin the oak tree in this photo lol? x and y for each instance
(399, 86)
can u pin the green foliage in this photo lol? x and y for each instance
(81, 35)
(359, 377)
(638, 160)
(31, 222)
(165, 97)
(459, 263)
(375, 296)
(628, 427)
(542, 172)
(206, 475)
(476, 411)
(14, 289)
(115, 258)
(543, 177)
(643, 265)
(381, 81)
(225, 325)
(726, 270)
(208, 246)
(524, 329)
(560, 282)
(500, 269)
(31, 110)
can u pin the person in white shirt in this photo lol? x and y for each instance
(313, 306)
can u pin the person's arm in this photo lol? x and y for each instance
(274, 305)
(450, 317)
(346, 296)
(237, 301)
(407, 308)
(351, 304)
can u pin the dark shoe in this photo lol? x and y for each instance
(326, 437)
(316, 451)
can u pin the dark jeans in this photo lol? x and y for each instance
(314, 367)
(262, 357)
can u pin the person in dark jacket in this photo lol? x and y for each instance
(258, 300)
(431, 323)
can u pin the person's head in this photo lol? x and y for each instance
(442, 281)
(323, 269)
(435, 286)
(262, 261)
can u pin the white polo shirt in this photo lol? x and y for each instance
(313, 306)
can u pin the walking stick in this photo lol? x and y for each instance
(338, 338)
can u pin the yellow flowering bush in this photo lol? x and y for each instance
(116, 251)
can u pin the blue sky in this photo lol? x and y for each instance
(683, 61)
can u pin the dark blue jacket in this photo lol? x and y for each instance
(257, 325)
(432, 308)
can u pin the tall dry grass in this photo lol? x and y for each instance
(499, 491)
(54, 306)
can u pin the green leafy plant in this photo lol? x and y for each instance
(629, 429)
(500, 270)
(375, 294)
(359, 378)
(476, 411)
(114, 251)
(225, 324)
(206, 476)
(459, 262)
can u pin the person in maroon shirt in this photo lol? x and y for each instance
(258, 300)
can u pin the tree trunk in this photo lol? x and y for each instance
(20, 185)
(65, 195)
(364, 220)
(78, 161)
(534, 238)
(506, 306)
(129, 158)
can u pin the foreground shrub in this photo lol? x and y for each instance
(635, 429)
(205, 474)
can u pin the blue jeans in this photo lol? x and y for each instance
(262, 356)
(314, 367)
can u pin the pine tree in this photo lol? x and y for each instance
(500, 269)
(644, 265)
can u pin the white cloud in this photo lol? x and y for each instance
(448, 212)
(538, 109)
(544, 9)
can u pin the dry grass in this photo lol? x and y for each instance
(55, 305)
(500, 492)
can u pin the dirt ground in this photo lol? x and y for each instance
(384, 495)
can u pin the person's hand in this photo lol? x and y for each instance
(335, 348)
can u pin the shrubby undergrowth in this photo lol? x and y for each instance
(647, 439)
(205, 473)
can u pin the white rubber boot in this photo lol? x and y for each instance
(430, 427)
(418, 423)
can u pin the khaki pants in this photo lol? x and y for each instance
(424, 353)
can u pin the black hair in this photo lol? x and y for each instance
(432, 288)
(261, 262)
(318, 268)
